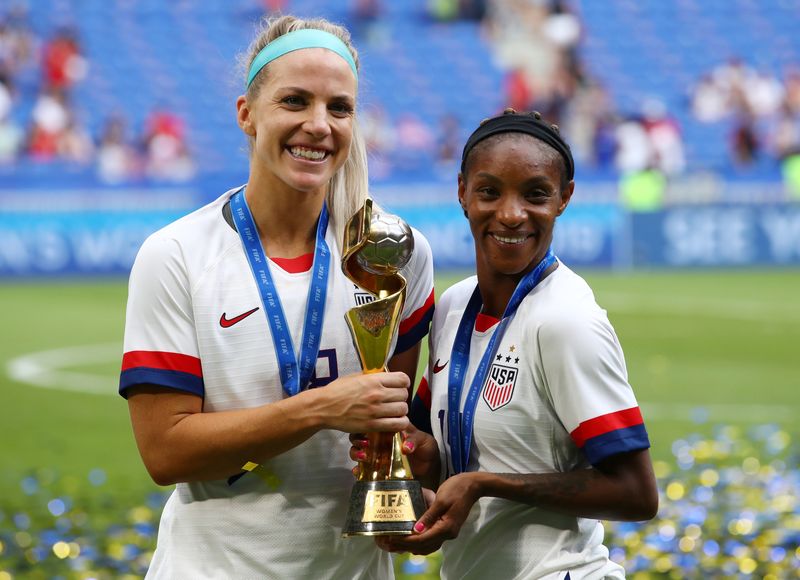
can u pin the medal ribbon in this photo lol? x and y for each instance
(459, 427)
(293, 379)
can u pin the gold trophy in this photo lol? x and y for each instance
(386, 499)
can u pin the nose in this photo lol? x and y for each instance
(510, 210)
(316, 123)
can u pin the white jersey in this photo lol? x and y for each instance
(555, 399)
(195, 323)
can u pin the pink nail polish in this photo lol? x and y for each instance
(419, 527)
(361, 455)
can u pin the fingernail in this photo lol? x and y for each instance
(409, 445)
(365, 443)
(361, 455)
(419, 527)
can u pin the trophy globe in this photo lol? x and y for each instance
(388, 247)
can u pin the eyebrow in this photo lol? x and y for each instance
(306, 93)
(533, 181)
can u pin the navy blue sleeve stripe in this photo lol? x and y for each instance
(414, 334)
(619, 441)
(177, 380)
(420, 415)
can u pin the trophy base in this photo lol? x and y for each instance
(384, 508)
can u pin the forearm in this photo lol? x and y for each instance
(180, 442)
(590, 493)
(205, 446)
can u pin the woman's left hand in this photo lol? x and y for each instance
(423, 455)
(420, 447)
(443, 519)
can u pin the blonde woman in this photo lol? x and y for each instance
(239, 370)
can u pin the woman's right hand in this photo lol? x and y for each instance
(362, 403)
(423, 455)
(420, 447)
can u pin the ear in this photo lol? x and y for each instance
(243, 116)
(566, 195)
(462, 194)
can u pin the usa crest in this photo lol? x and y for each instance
(499, 386)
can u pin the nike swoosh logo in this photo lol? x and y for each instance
(437, 368)
(228, 322)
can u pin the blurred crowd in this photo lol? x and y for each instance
(764, 110)
(52, 130)
(536, 43)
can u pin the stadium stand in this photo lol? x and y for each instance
(144, 56)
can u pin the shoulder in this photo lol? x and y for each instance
(421, 244)
(192, 226)
(566, 310)
(418, 272)
(457, 295)
(571, 285)
(191, 235)
(422, 256)
(450, 307)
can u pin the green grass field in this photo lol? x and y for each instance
(702, 349)
(719, 346)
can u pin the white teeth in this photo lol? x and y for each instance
(507, 240)
(308, 153)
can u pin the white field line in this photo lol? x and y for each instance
(49, 369)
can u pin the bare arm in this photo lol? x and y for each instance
(406, 362)
(179, 442)
(620, 488)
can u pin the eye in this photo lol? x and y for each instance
(295, 101)
(537, 195)
(487, 191)
(341, 109)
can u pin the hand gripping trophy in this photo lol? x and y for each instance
(385, 499)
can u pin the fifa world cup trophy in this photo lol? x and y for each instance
(386, 499)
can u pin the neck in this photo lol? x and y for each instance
(286, 221)
(496, 292)
(497, 289)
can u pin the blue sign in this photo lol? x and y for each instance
(587, 235)
(97, 243)
(717, 235)
(68, 239)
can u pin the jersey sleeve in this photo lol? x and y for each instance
(585, 373)
(160, 346)
(420, 412)
(418, 309)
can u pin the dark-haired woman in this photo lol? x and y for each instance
(537, 431)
